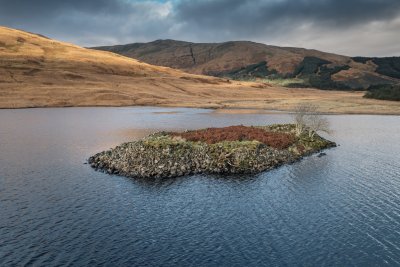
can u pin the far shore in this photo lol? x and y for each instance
(361, 110)
(233, 97)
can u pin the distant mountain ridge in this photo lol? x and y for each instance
(244, 60)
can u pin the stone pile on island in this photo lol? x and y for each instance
(228, 150)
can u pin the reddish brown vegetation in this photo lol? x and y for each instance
(239, 133)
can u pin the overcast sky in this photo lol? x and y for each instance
(349, 27)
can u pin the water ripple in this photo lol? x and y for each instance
(339, 210)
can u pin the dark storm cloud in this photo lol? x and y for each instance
(362, 27)
(47, 10)
(87, 22)
(43, 8)
(252, 16)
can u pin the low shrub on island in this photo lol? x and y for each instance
(228, 150)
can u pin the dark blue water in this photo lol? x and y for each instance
(339, 210)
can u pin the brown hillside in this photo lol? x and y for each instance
(237, 59)
(206, 58)
(39, 72)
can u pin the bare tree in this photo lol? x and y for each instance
(307, 118)
(317, 123)
(301, 112)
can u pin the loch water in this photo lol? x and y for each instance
(342, 209)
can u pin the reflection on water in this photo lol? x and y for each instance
(342, 209)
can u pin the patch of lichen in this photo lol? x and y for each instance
(167, 148)
(281, 128)
(239, 156)
(226, 152)
(234, 145)
(164, 141)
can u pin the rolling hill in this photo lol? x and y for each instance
(36, 71)
(244, 60)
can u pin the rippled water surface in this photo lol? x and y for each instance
(339, 210)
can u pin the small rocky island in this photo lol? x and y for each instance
(228, 150)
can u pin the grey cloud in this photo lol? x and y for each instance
(330, 25)
(254, 16)
(45, 8)
(321, 24)
(87, 22)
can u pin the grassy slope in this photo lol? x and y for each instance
(236, 60)
(218, 57)
(36, 71)
(39, 72)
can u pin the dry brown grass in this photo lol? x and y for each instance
(40, 72)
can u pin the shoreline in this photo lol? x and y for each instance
(216, 110)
